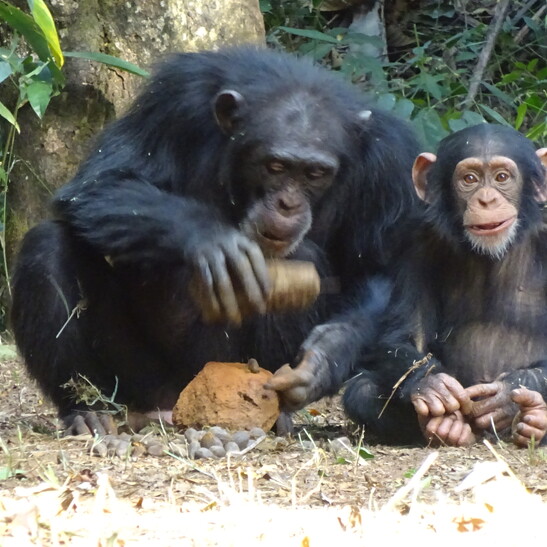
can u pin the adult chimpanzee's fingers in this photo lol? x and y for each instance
(483, 390)
(77, 426)
(205, 293)
(225, 290)
(256, 258)
(285, 378)
(94, 424)
(252, 291)
(108, 423)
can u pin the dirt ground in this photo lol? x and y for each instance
(304, 491)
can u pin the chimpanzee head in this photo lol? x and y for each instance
(285, 154)
(483, 187)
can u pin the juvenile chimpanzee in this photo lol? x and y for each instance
(472, 293)
(225, 159)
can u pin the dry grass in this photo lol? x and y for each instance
(299, 492)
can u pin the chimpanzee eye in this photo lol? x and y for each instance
(275, 166)
(470, 178)
(316, 172)
(502, 176)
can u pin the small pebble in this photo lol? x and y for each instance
(204, 453)
(100, 449)
(193, 447)
(220, 433)
(137, 450)
(208, 440)
(218, 451)
(191, 434)
(241, 438)
(156, 449)
(256, 433)
(231, 447)
(179, 449)
(123, 448)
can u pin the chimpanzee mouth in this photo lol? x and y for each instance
(491, 228)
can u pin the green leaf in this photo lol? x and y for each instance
(8, 352)
(7, 115)
(404, 108)
(26, 26)
(7, 472)
(494, 115)
(342, 460)
(5, 70)
(44, 20)
(537, 132)
(521, 113)
(365, 454)
(386, 101)
(312, 34)
(39, 94)
(503, 97)
(109, 60)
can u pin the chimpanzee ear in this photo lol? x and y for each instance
(226, 105)
(422, 164)
(541, 193)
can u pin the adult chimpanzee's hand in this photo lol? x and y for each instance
(532, 419)
(494, 405)
(314, 375)
(231, 277)
(450, 429)
(439, 394)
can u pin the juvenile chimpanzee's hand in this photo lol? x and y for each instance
(450, 429)
(494, 405)
(439, 394)
(231, 276)
(531, 421)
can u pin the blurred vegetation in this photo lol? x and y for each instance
(31, 75)
(433, 48)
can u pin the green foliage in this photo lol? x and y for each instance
(31, 73)
(428, 82)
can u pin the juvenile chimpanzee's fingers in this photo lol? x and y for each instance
(258, 263)
(225, 290)
(528, 431)
(458, 398)
(499, 419)
(420, 406)
(527, 398)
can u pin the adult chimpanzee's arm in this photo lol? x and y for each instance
(331, 351)
(132, 221)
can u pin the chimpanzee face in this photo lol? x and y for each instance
(287, 157)
(490, 189)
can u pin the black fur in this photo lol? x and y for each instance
(160, 182)
(478, 316)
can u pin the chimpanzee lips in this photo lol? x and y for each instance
(491, 228)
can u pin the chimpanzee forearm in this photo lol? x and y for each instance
(131, 220)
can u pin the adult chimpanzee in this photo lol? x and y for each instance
(225, 158)
(472, 294)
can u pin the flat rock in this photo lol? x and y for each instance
(229, 395)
